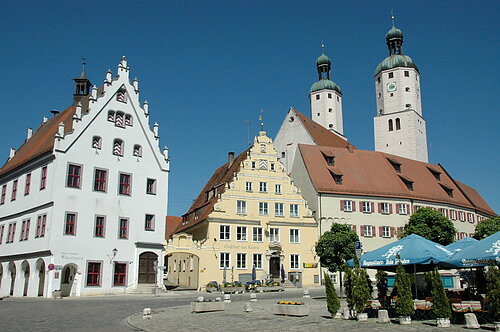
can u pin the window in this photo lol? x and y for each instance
(151, 186)
(330, 160)
(444, 212)
(96, 142)
(390, 125)
(294, 261)
(263, 209)
(407, 73)
(271, 167)
(437, 174)
(274, 234)
(470, 217)
(128, 120)
(99, 226)
(348, 206)
(118, 147)
(94, 274)
(398, 124)
(100, 177)
(111, 116)
(120, 275)
(294, 236)
(257, 234)
(74, 175)
(253, 165)
(317, 97)
(149, 222)
(124, 188)
(137, 151)
(123, 228)
(257, 261)
(27, 184)
(391, 75)
(263, 187)
(43, 178)
(121, 96)
(263, 148)
(395, 164)
(70, 224)
(224, 232)
(241, 207)
(378, 79)
(278, 209)
(11, 233)
(25, 229)
(367, 207)
(367, 230)
(119, 121)
(402, 208)
(329, 96)
(277, 188)
(407, 89)
(386, 231)
(248, 186)
(241, 261)
(241, 233)
(461, 215)
(453, 214)
(294, 210)
(224, 260)
(4, 192)
(14, 190)
(2, 228)
(40, 225)
(385, 208)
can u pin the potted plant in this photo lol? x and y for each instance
(440, 302)
(493, 293)
(382, 287)
(404, 302)
(348, 286)
(332, 301)
(212, 286)
(360, 292)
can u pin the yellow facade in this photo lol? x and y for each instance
(260, 219)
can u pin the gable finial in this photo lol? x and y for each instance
(260, 119)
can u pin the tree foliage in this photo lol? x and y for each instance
(402, 285)
(493, 290)
(487, 227)
(382, 287)
(431, 225)
(348, 286)
(440, 303)
(332, 301)
(335, 247)
(360, 290)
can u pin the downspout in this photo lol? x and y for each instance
(319, 223)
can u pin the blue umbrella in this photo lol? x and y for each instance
(282, 274)
(254, 274)
(416, 253)
(461, 244)
(479, 253)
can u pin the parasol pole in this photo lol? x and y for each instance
(415, 277)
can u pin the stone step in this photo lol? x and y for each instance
(146, 289)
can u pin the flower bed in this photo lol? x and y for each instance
(291, 308)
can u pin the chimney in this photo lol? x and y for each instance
(349, 148)
(230, 159)
(30, 133)
(12, 152)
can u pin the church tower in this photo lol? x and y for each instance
(325, 97)
(82, 86)
(399, 126)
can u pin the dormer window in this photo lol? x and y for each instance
(395, 164)
(121, 96)
(448, 190)
(118, 147)
(111, 116)
(137, 151)
(128, 120)
(336, 175)
(96, 142)
(408, 182)
(329, 158)
(119, 120)
(436, 173)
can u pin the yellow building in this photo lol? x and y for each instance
(248, 214)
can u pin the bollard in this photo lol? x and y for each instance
(247, 307)
(200, 299)
(471, 321)
(306, 293)
(227, 298)
(383, 316)
(146, 313)
(346, 314)
(253, 297)
(218, 299)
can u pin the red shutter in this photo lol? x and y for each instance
(353, 206)
(373, 207)
(354, 228)
(400, 230)
(379, 207)
(380, 231)
(390, 208)
(473, 218)
(374, 232)
(361, 207)
(392, 231)
(341, 205)
(407, 208)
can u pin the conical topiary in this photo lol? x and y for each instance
(404, 302)
(360, 290)
(348, 285)
(332, 301)
(493, 290)
(440, 303)
(382, 287)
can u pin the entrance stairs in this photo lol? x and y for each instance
(146, 289)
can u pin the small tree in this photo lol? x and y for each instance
(493, 290)
(348, 285)
(360, 290)
(404, 302)
(487, 227)
(440, 303)
(332, 301)
(382, 287)
(431, 225)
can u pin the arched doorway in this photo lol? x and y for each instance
(25, 267)
(40, 267)
(67, 278)
(147, 267)
(12, 270)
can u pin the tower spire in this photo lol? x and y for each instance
(260, 119)
(82, 84)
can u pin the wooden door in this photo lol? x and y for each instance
(274, 267)
(147, 268)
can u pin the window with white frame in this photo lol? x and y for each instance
(470, 217)
(294, 235)
(274, 234)
(25, 230)
(367, 231)
(224, 232)
(453, 214)
(94, 274)
(278, 209)
(294, 210)
(348, 206)
(4, 192)
(277, 188)
(43, 178)
(149, 222)
(27, 184)
(385, 208)
(74, 176)
(100, 224)
(386, 231)
(263, 187)
(461, 215)
(241, 207)
(241, 260)
(294, 261)
(224, 260)
(248, 186)
(123, 228)
(403, 209)
(151, 186)
(271, 167)
(257, 261)
(367, 207)
(241, 233)
(40, 225)
(257, 234)
(2, 229)
(444, 212)
(70, 224)
(263, 209)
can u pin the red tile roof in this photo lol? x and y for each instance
(371, 173)
(172, 223)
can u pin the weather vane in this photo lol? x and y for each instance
(323, 46)
(392, 16)
(260, 119)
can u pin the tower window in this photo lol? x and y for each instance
(330, 110)
(330, 96)
(317, 97)
(407, 73)
(318, 114)
(407, 89)
(283, 155)
(378, 79)
(96, 142)
(408, 105)
(390, 125)
(392, 94)
(330, 125)
(398, 124)
(391, 75)
(379, 95)
(338, 98)
(380, 111)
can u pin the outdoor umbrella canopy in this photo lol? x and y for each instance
(479, 253)
(417, 255)
(461, 244)
(254, 274)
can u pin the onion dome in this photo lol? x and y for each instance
(395, 60)
(393, 33)
(325, 84)
(323, 60)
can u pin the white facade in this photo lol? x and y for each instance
(326, 109)
(130, 201)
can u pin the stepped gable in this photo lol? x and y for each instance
(321, 135)
(42, 141)
(373, 173)
(203, 204)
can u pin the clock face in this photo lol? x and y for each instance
(391, 87)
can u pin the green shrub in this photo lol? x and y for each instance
(348, 285)
(360, 290)
(493, 290)
(382, 287)
(440, 303)
(332, 301)
(404, 302)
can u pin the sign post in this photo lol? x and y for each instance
(358, 247)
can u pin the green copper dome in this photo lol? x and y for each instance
(325, 84)
(394, 61)
(323, 60)
(393, 33)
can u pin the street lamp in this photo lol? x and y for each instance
(113, 255)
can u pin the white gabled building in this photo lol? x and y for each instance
(83, 200)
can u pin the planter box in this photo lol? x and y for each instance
(231, 290)
(212, 289)
(291, 309)
(269, 289)
(207, 306)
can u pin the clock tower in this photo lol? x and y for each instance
(399, 126)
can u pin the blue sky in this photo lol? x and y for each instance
(206, 67)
